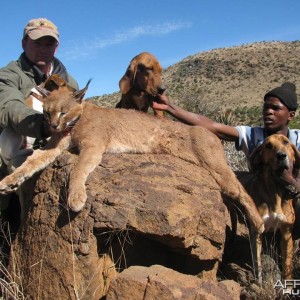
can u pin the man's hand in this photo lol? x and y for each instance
(162, 103)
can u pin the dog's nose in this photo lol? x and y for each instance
(281, 155)
(160, 89)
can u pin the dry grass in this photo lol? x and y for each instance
(9, 286)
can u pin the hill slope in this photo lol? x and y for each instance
(228, 77)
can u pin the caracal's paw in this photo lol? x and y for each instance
(77, 199)
(9, 184)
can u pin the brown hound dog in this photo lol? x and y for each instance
(273, 201)
(141, 83)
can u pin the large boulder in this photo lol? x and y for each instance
(142, 210)
(158, 282)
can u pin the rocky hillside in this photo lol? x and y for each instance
(228, 77)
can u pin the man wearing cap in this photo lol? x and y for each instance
(17, 81)
(280, 105)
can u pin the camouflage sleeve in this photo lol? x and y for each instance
(14, 113)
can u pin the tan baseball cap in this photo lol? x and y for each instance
(37, 28)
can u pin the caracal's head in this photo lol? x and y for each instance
(62, 107)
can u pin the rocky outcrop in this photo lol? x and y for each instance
(158, 282)
(142, 210)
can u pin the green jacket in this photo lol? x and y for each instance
(16, 81)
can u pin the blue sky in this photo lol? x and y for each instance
(99, 38)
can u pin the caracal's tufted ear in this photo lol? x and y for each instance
(127, 81)
(256, 159)
(78, 95)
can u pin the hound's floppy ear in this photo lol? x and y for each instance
(45, 93)
(127, 81)
(256, 159)
(78, 95)
(54, 82)
(297, 156)
(157, 66)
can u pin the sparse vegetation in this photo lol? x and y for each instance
(235, 78)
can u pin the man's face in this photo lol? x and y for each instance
(276, 115)
(40, 51)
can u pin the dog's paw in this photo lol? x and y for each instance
(77, 200)
(261, 229)
(281, 217)
(258, 224)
